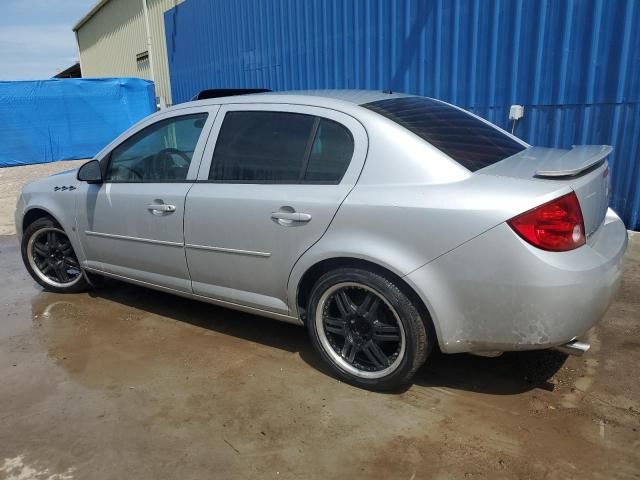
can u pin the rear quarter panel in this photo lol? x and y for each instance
(413, 204)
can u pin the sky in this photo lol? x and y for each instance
(36, 40)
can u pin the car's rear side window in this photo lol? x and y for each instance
(330, 154)
(469, 141)
(261, 146)
(280, 147)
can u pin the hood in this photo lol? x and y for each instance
(65, 179)
(74, 170)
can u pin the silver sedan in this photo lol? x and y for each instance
(385, 223)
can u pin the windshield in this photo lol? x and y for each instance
(471, 142)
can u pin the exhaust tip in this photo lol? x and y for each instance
(573, 347)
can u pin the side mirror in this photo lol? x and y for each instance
(90, 172)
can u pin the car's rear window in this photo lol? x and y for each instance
(468, 140)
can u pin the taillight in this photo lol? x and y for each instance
(556, 226)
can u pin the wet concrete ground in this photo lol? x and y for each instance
(130, 383)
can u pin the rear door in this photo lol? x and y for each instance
(268, 189)
(131, 225)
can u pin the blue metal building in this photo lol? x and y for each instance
(573, 64)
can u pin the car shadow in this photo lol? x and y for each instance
(509, 374)
(234, 323)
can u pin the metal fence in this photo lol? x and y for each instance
(574, 65)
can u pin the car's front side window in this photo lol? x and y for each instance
(161, 152)
(280, 147)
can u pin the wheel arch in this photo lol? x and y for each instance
(315, 271)
(34, 213)
(65, 221)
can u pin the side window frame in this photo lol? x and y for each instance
(104, 156)
(354, 127)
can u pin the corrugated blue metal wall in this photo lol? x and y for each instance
(575, 65)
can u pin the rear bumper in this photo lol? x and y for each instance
(497, 292)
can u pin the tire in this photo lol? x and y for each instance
(50, 259)
(376, 320)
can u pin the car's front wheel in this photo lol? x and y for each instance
(50, 259)
(367, 329)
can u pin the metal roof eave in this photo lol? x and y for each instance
(89, 14)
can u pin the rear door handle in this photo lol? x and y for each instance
(160, 208)
(290, 218)
(293, 216)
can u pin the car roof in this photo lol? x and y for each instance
(306, 97)
(357, 97)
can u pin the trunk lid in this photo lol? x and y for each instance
(584, 169)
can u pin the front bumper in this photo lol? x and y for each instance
(497, 292)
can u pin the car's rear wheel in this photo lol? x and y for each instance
(367, 329)
(50, 259)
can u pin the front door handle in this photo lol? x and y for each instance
(161, 208)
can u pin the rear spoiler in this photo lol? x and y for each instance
(575, 161)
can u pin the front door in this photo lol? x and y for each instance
(132, 224)
(275, 179)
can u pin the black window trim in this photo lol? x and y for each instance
(305, 161)
(107, 157)
(307, 152)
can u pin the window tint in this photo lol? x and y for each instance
(330, 153)
(256, 147)
(160, 153)
(469, 141)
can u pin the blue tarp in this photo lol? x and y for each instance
(63, 119)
